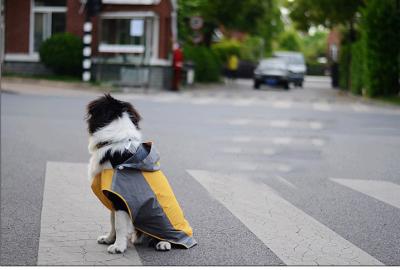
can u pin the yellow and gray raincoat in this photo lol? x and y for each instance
(150, 201)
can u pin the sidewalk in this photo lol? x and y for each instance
(31, 86)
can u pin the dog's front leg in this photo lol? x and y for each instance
(110, 237)
(124, 229)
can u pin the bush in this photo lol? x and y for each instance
(252, 49)
(381, 26)
(207, 66)
(357, 70)
(63, 54)
(344, 66)
(225, 48)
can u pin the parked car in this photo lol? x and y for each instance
(271, 71)
(296, 65)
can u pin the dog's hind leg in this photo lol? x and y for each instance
(124, 229)
(163, 246)
(110, 237)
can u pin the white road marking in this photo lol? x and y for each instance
(241, 139)
(242, 102)
(284, 181)
(248, 166)
(315, 125)
(72, 219)
(360, 107)
(284, 104)
(277, 123)
(322, 106)
(232, 150)
(295, 237)
(269, 151)
(203, 100)
(386, 192)
(239, 122)
(318, 142)
(282, 140)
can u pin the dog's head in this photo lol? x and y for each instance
(103, 111)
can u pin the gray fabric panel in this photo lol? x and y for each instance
(144, 159)
(146, 211)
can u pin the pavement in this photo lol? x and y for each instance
(270, 177)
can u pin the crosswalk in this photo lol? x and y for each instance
(72, 219)
(295, 237)
(245, 100)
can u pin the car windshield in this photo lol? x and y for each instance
(294, 59)
(268, 64)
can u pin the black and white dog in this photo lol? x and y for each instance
(111, 123)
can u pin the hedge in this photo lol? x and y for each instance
(62, 53)
(207, 66)
(344, 66)
(381, 24)
(357, 69)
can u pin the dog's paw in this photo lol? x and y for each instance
(106, 239)
(115, 248)
(163, 246)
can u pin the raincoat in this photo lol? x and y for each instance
(150, 201)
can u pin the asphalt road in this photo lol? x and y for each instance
(265, 177)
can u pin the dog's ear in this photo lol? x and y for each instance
(133, 114)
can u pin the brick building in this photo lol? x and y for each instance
(126, 34)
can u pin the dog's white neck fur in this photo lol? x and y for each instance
(117, 134)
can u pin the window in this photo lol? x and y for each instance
(126, 34)
(48, 18)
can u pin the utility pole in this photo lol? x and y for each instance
(92, 7)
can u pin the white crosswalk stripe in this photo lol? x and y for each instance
(322, 106)
(283, 141)
(277, 123)
(72, 219)
(295, 237)
(386, 192)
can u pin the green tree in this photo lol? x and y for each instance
(307, 13)
(290, 41)
(255, 17)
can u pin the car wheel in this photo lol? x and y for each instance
(256, 85)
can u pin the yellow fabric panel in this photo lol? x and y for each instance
(166, 198)
(101, 182)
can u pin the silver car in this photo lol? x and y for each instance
(272, 71)
(296, 65)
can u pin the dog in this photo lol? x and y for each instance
(111, 123)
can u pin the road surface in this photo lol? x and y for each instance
(265, 177)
